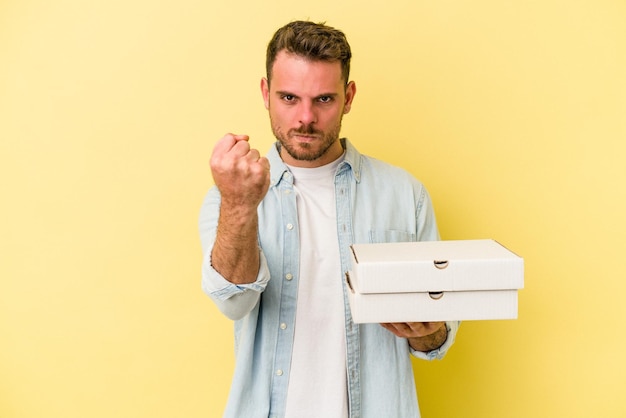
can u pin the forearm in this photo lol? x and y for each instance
(235, 253)
(233, 300)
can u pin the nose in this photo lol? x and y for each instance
(307, 114)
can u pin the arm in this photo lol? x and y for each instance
(228, 232)
(426, 339)
(242, 177)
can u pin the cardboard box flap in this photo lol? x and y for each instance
(432, 266)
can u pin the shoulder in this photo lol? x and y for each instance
(376, 169)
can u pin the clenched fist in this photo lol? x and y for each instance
(240, 173)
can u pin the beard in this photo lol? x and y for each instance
(306, 151)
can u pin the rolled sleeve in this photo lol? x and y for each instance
(216, 286)
(234, 300)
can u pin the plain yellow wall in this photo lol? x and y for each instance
(512, 113)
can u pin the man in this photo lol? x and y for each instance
(276, 233)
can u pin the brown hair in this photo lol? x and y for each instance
(312, 41)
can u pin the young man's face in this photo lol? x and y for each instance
(306, 101)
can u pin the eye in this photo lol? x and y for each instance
(288, 98)
(325, 99)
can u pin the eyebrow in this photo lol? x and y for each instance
(286, 93)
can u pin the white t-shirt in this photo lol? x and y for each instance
(317, 381)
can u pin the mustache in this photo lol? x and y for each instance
(305, 130)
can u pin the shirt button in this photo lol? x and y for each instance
(279, 372)
(283, 326)
(290, 226)
(288, 276)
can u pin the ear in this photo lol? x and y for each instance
(265, 91)
(350, 92)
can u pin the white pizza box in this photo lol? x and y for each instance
(433, 281)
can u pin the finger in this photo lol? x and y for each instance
(428, 326)
(417, 326)
(241, 148)
(253, 155)
(404, 328)
(393, 328)
(421, 329)
(227, 142)
(241, 137)
(265, 163)
(224, 144)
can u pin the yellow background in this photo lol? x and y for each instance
(512, 113)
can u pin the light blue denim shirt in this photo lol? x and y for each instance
(376, 202)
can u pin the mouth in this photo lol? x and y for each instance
(304, 137)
